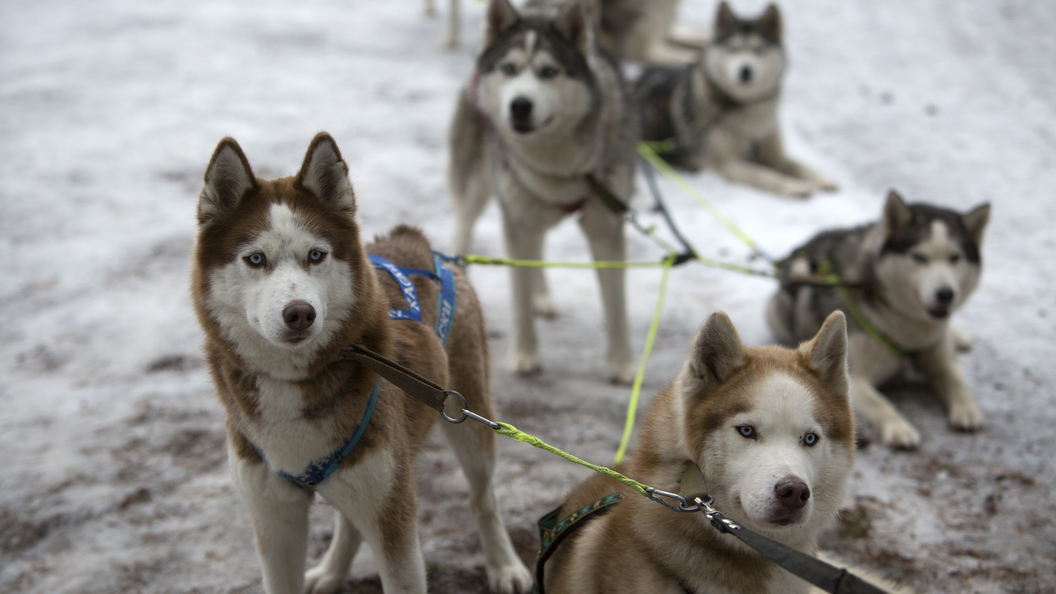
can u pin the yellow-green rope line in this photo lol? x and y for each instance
(632, 406)
(667, 171)
(859, 316)
(474, 259)
(511, 431)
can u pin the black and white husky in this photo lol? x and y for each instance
(721, 113)
(910, 272)
(546, 114)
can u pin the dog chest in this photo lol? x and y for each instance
(287, 439)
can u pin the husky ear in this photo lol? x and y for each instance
(715, 352)
(770, 24)
(725, 21)
(896, 213)
(574, 26)
(325, 174)
(500, 16)
(827, 353)
(227, 178)
(975, 222)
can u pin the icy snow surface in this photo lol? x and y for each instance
(114, 468)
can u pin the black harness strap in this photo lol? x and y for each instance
(552, 532)
(612, 201)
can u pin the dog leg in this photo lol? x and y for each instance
(330, 575)
(940, 369)
(605, 234)
(377, 496)
(871, 405)
(522, 243)
(467, 211)
(468, 180)
(451, 34)
(762, 177)
(772, 153)
(685, 36)
(542, 303)
(778, 312)
(279, 510)
(474, 447)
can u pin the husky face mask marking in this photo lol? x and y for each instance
(772, 442)
(536, 76)
(284, 280)
(275, 259)
(746, 59)
(930, 257)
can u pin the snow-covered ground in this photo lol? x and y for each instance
(114, 473)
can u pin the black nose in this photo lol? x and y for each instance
(944, 296)
(746, 74)
(792, 492)
(298, 315)
(521, 108)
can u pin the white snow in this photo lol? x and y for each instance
(115, 475)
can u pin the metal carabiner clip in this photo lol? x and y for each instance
(683, 506)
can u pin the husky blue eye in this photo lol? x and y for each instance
(508, 69)
(548, 72)
(256, 259)
(810, 439)
(920, 259)
(746, 431)
(316, 256)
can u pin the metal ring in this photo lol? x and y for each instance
(464, 405)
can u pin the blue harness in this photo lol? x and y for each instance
(321, 468)
(414, 310)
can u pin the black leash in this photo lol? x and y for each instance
(654, 189)
(806, 567)
(801, 565)
(620, 209)
(412, 384)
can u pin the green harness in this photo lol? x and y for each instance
(552, 532)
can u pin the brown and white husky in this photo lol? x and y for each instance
(281, 284)
(772, 432)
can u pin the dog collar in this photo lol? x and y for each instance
(321, 468)
(414, 310)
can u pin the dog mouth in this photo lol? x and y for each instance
(939, 312)
(527, 127)
(296, 337)
(773, 519)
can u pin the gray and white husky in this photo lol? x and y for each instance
(911, 271)
(544, 111)
(721, 112)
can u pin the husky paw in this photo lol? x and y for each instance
(900, 434)
(827, 185)
(544, 307)
(320, 580)
(966, 416)
(622, 373)
(510, 579)
(522, 363)
(961, 341)
(798, 188)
